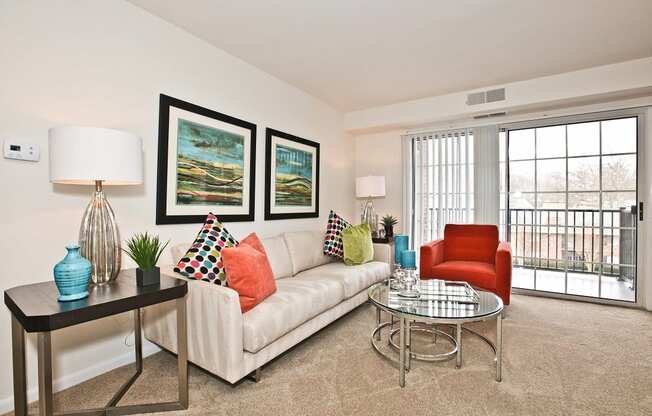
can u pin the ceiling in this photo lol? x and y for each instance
(358, 54)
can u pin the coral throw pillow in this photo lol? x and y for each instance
(203, 261)
(249, 272)
(333, 239)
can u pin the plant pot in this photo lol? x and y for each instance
(148, 277)
(389, 231)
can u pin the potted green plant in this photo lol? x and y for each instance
(389, 221)
(145, 250)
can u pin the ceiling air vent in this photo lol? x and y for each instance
(483, 97)
(476, 98)
(496, 95)
(491, 115)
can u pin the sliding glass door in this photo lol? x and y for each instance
(570, 208)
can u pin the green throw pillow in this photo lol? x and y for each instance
(358, 247)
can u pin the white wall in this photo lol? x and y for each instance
(104, 64)
(380, 154)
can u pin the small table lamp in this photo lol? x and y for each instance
(97, 156)
(369, 187)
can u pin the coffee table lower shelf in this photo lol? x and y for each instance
(433, 326)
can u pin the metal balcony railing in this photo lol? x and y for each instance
(574, 240)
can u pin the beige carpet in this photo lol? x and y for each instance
(560, 358)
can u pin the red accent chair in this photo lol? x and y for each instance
(471, 253)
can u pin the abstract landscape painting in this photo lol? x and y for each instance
(293, 177)
(206, 164)
(210, 165)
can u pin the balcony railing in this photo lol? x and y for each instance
(574, 240)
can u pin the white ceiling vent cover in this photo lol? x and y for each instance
(476, 98)
(496, 95)
(483, 97)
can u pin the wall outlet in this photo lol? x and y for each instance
(21, 151)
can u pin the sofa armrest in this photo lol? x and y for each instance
(215, 326)
(383, 253)
(504, 271)
(430, 254)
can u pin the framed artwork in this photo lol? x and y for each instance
(206, 163)
(291, 177)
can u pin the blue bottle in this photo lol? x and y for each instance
(72, 274)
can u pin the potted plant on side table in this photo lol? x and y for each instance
(145, 250)
(389, 221)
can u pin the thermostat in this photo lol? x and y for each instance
(21, 151)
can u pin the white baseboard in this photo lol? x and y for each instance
(69, 380)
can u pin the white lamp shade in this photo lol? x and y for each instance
(83, 155)
(370, 186)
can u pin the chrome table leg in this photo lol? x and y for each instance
(401, 354)
(20, 377)
(408, 344)
(182, 351)
(45, 399)
(499, 347)
(458, 339)
(378, 318)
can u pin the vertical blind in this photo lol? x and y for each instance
(442, 182)
(448, 176)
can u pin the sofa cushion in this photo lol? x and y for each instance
(306, 249)
(178, 250)
(279, 256)
(295, 302)
(333, 245)
(352, 278)
(358, 247)
(203, 260)
(475, 273)
(248, 272)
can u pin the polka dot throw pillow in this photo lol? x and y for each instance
(333, 245)
(203, 261)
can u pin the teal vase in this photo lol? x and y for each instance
(72, 274)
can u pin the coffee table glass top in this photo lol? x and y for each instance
(430, 306)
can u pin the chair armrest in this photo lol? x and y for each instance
(504, 271)
(215, 326)
(383, 253)
(431, 254)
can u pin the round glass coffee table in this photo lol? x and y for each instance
(428, 313)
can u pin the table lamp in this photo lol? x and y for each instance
(369, 187)
(97, 156)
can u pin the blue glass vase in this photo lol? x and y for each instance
(72, 274)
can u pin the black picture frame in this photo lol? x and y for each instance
(162, 216)
(269, 134)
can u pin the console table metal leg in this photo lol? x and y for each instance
(499, 347)
(401, 354)
(45, 399)
(458, 339)
(20, 378)
(138, 341)
(182, 351)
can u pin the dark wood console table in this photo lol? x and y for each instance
(34, 308)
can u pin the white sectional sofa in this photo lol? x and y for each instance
(313, 290)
